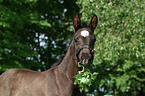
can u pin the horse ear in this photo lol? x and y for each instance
(76, 22)
(94, 22)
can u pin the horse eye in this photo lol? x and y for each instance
(94, 39)
(76, 39)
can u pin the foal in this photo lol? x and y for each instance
(59, 80)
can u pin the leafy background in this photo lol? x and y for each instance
(34, 34)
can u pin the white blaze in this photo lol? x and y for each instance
(85, 33)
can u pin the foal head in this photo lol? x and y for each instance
(84, 39)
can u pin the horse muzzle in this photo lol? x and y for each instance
(85, 56)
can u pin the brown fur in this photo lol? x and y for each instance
(57, 81)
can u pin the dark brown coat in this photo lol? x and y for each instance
(57, 81)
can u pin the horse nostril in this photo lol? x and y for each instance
(86, 56)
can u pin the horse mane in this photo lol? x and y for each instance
(61, 78)
(84, 25)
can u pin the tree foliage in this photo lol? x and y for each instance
(34, 33)
(120, 47)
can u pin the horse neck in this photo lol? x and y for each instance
(68, 64)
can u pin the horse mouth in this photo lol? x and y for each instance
(85, 57)
(85, 61)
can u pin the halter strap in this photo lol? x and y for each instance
(87, 47)
(78, 51)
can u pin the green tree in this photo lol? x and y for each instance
(119, 50)
(34, 33)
